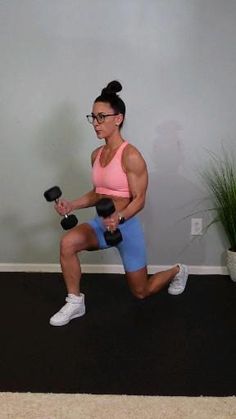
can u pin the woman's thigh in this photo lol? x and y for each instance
(82, 237)
(132, 249)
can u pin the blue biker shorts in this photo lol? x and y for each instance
(132, 248)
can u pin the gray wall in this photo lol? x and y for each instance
(176, 60)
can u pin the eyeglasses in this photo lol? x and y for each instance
(100, 117)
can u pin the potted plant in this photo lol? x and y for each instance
(220, 179)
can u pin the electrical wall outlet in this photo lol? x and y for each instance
(196, 226)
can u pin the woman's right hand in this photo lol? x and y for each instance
(62, 206)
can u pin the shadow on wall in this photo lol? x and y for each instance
(171, 197)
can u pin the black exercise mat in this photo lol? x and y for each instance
(166, 345)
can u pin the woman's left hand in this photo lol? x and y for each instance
(111, 223)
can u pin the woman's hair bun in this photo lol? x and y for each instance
(112, 88)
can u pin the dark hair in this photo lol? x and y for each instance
(109, 95)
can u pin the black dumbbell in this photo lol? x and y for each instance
(53, 194)
(105, 207)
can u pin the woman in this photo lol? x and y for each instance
(120, 173)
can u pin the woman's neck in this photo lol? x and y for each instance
(113, 142)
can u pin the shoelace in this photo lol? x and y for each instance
(71, 301)
(70, 305)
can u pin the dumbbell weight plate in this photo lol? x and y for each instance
(113, 237)
(52, 194)
(105, 207)
(69, 221)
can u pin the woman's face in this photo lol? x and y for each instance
(110, 121)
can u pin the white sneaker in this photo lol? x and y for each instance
(73, 308)
(178, 284)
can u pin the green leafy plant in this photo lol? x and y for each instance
(220, 179)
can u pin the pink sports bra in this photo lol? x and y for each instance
(111, 179)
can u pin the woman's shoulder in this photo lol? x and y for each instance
(95, 153)
(130, 151)
(132, 155)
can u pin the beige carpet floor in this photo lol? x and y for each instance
(85, 406)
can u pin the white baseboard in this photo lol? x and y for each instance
(116, 269)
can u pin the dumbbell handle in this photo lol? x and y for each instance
(53, 194)
(106, 208)
(57, 202)
(69, 220)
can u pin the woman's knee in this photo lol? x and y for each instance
(138, 283)
(139, 293)
(69, 244)
(78, 239)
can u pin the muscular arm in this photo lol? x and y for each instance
(137, 175)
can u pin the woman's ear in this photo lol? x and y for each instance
(119, 119)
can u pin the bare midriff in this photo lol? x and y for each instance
(119, 202)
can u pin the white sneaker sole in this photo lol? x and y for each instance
(179, 290)
(63, 323)
(175, 292)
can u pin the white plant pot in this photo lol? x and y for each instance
(231, 264)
